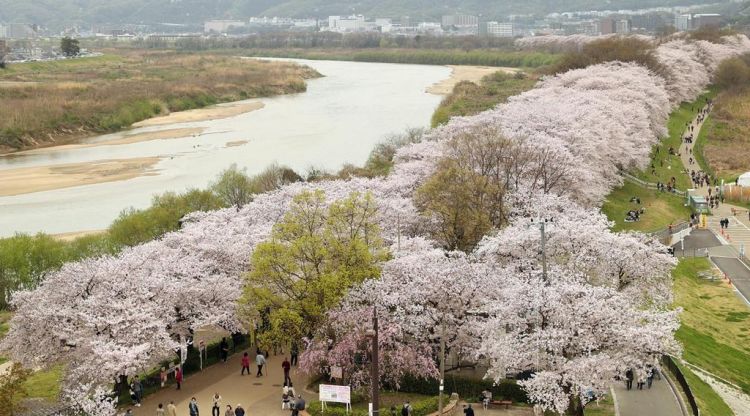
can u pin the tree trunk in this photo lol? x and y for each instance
(576, 407)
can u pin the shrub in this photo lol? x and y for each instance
(467, 388)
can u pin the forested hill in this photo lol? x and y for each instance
(61, 12)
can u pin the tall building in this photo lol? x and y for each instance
(683, 22)
(607, 26)
(502, 30)
(460, 20)
(3, 32)
(706, 20)
(622, 26)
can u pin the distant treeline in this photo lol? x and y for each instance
(330, 40)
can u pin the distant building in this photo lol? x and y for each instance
(460, 20)
(21, 31)
(706, 20)
(683, 22)
(607, 26)
(221, 26)
(502, 30)
(3, 32)
(623, 26)
(686, 22)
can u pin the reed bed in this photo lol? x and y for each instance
(49, 102)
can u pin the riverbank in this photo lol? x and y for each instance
(55, 103)
(461, 73)
(45, 178)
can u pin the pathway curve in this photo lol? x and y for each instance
(659, 400)
(258, 396)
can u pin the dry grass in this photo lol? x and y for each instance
(727, 139)
(53, 101)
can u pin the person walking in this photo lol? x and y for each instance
(286, 366)
(406, 410)
(163, 376)
(629, 379)
(468, 411)
(294, 353)
(160, 410)
(245, 364)
(193, 407)
(229, 411)
(239, 411)
(216, 409)
(171, 409)
(260, 360)
(178, 377)
(137, 388)
(650, 376)
(224, 349)
(299, 405)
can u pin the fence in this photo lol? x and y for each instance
(665, 234)
(735, 193)
(648, 185)
(675, 370)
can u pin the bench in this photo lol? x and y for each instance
(506, 403)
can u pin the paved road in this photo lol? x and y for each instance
(737, 272)
(660, 400)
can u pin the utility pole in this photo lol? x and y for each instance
(544, 251)
(375, 370)
(442, 367)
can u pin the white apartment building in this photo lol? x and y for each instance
(502, 30)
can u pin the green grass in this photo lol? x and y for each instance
(606, 407)
(469, 98)
(700, 143)
(715, 331)
(45, 384)
(661, 208)
(667, 166)
(709, 402)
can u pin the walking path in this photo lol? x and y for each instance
(659, 400)
(258, 396)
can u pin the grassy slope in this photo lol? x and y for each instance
(723, 147)
(605, 407)
(667, 166)
(709, 403)
(469, 98)
(661, 208)
(715, 331)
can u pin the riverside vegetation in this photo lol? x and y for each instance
(49, 102)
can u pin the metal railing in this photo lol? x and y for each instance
(649, 185)
(675, 371)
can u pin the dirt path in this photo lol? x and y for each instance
(258, 396)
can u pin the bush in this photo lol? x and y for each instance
(468, 389)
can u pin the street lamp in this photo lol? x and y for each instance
(374, 369)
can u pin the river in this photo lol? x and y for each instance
(337, 121)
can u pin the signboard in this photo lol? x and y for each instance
(335, 394)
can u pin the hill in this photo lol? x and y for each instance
(67, 12)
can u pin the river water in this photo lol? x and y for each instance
(338, 120)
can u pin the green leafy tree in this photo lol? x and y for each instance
(13, 390)
(234, 187)
(70, 47)
(315, 254)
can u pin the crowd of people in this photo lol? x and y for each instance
(290, 400)
(645, 378)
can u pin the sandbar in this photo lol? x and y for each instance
(236, 143)
(203, 114)
(46, 178)
(77, 234)
(465, 73)
(128, 139)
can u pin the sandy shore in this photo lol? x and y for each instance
(128, 139)
(77, 234)
(465, 73)
(46, 178)
(203, 114)
(237, 143)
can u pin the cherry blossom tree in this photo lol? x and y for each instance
(573, 336)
